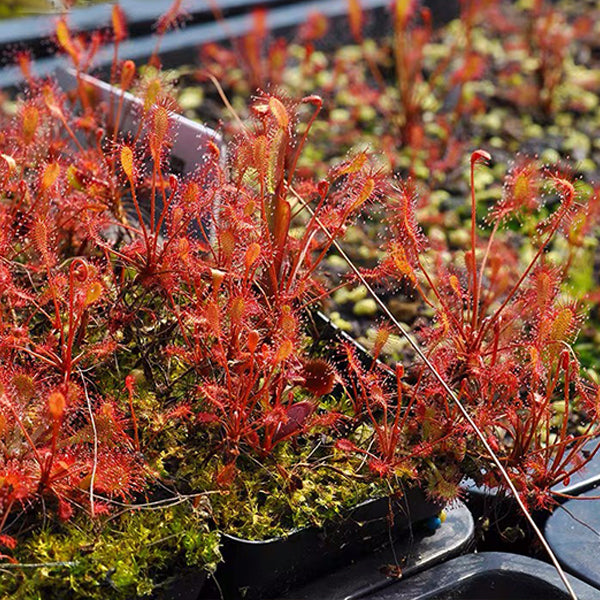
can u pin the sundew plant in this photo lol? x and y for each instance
(160, 349)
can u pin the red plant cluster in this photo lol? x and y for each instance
(501, 336)
(143, 311)
(135, 300)
(241, 297)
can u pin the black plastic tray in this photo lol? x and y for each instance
(33, 31)
(573, 532)
(185, 586)
(487, 576)
(410, 554)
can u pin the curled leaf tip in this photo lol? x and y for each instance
(313, 99)
(480, 156)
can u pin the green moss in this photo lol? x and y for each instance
(268, 503)
(127, 556)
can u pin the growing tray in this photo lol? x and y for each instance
(487, 576)
(180, 46)
(33, 31)
(258, 569)
(409, 555)
(185, 586)
(573, 532)
(263, 569)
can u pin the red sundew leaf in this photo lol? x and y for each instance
(471, 70)
(8, 541)
(565, 189)
(204, 417)
(9, 163)
(253, 439)
(116, 474)
(213, 318)
(345, 445)
(127, 163)
(110, 423)
(295, 417)
(237, 310)
(227, 243)
(15, 483)
(480, 156)
(66, 43)
(160, 127)
(93, 293)
(214, 152)
(275, 416)
(130, 384)
(56, 405)
(119, 23)
(355, 16)
(405, 9)
(314, 28)
(381, 338)
(259, 22)
(403, 206)
(101, 508)
(226, 475)
(319, 377)
(23, 60)
(397, 262)
(353, 362)
(328, 419)
(171, 19)
(521, 193)
(41, 239)
(284, 351)
(354, 165)
(281, 224)
(179, 412)
(252, 342)
(279, 111)
(65, 510)
(252, 254)
(364, 194)
(565, 323)
(49, 176)
(380, 467)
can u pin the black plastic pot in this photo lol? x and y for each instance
(259, 569)
(585, 479)
(186, 585)
(580, 481)
(411, 553)
(263, 569)
(573, 532)
(487, 576)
